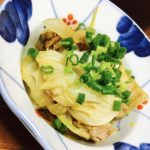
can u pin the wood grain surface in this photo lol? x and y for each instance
(13, 135)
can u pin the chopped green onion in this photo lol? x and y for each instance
(101, 50)
(106, 66)
(81, 26)
(67, 42)
(120, 53)
(59, 126)
(95, 75)
(96, 40)
(74, 59)
(84, 78)
(90, 67)
(125, 101)
(126, 94)
(116, 65)
(80, 99)
(106, 77)
(104, 57)
(108, 58)
(117, 105)
(74, 47)
(57, 123)
(93, 60)
(101, 57)
(47, 69)
(117, 77)
(89, 29)
(117, 92)
(89, 36)
(32, 52)
(84, 57)
(117, 45)
(101, 71)
(105, 40)
(113, 48)
(108, 89)
(118, 73)
(95, 86)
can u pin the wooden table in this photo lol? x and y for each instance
(13, 135)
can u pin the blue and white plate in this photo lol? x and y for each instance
(20, 25)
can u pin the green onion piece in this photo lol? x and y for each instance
(74, 59)
(57, 123)
(117, 105)
(84, 78)
(105, 40)
(117, 77)
(117, 92)
(101, 50)
(116, 65)
(80, 99)
(96, 40)
(89, 36)
(106, 90)
(95, 86)
(47, 69)
(118, 73)
(67, 42)
(117, 45)
(120, 53)
(106, 66)
(101, 57)
(81, 26)
(105, 57)
(89, 29)
(106, 77)
(93, 60)
(90, 67)
(74, 47)
(84, 58)
(32, 52)
(113, 48)
(63, 129)
(95, 75)
(108, 58)
(125, 100)
(126, 94)
(59, 126)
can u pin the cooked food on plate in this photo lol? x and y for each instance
(78, 82)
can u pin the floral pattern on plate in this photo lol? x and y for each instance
(14, 21)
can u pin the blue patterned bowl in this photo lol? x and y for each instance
(20, 24)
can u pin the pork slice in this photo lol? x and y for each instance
(99, 133)
(48, 40)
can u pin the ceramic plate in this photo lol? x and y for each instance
(20, 24)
